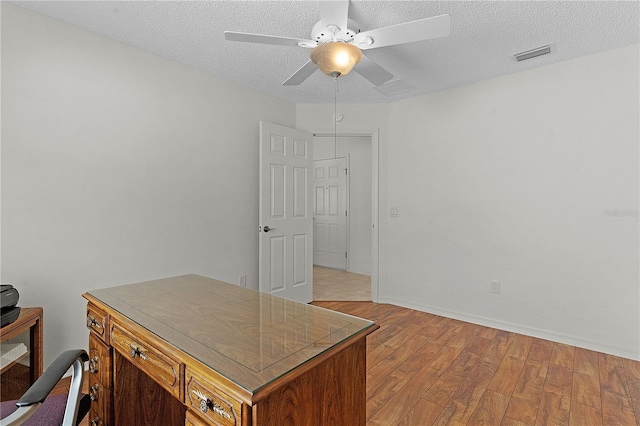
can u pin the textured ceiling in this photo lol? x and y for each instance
(484, 35)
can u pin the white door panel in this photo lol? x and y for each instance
(286, 249)
(330, 213)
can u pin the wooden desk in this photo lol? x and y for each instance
(190, 350)
(17, 378)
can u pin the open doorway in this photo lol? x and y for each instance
(349, 277)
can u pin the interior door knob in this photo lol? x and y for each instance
(267, 229)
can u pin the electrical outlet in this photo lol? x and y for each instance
(495, 287)
(243, 280)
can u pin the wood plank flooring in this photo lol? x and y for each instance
(333, 284)
(423, 369)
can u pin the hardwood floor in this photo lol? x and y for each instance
(423, 369)
(333, 284)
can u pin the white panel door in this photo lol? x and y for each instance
(330, 213)
(286, 220)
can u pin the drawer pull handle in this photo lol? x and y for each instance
(93, 365)
(92, 322)
(136, 351)
(96, 422)
(206, 404)
(93, 392)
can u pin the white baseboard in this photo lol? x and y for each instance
(359, 271)
(520, 329)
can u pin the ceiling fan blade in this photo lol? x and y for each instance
(267, 39)
(334, 13)
(372, 71)
(422, 29)
(301, 75)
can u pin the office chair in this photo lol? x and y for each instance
(37, 409)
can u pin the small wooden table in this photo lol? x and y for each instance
(191, 350)
(29, 321)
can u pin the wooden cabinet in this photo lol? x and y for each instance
(100, 382)
(190, 350)
(19, 374)
(100, 378)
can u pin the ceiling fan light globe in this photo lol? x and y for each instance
(336, 57)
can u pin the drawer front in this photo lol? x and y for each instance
(210, 402)
(99, 381)
(193, 420)
(95, 419)
(163, 369)
(99, 362)
(98, 322)
(100, 400)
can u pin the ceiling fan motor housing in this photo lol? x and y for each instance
(322, 34)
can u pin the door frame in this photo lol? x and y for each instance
(374, 134)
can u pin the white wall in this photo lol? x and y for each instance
(358, 150)
(119, 166)
(515, 179)
(512, 179)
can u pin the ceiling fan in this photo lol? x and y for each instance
(337, 43)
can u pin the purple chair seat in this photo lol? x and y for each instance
(50, 413)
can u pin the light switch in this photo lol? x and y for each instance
(394, 212)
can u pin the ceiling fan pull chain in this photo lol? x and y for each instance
(335, 120)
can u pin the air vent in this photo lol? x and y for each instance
(395, 87)
(534, 53)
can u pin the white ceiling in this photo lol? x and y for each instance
(483, 36)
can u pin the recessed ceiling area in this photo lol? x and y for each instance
(485, 35)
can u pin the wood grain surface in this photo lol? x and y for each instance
(423, 370)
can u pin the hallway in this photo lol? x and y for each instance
(333, 284)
